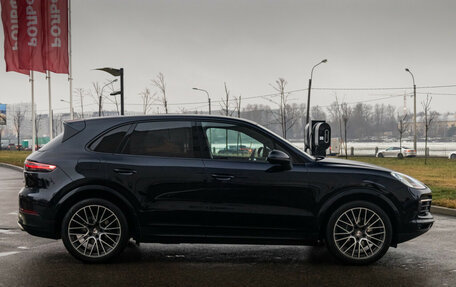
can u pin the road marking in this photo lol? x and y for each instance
(12, 213)
(7, 231)
(22, 247)
(2, 254)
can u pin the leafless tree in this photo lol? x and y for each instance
(112, 99)
(237, 101)
(318, 113)
(97, 95)
(18, 119)
(346, 112)
(336, 115)
(402, 127)
(225, 104)
(38, 119)
(81, 93)
(159, 83)
(148, 100)
(286, 116)
(429, 117)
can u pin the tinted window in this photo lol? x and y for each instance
(227, 141)
(170, 139)
(110, 141)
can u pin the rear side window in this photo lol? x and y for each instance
(110, 141)
(167, 139)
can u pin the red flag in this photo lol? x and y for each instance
(55, 15)
(11, 30)
(30, 42)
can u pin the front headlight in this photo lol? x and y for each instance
(408, 180)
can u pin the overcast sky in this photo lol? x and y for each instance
(249, 44)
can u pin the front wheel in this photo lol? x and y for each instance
(380, 155)
(453, 156)
(359, 233)
(94, 230)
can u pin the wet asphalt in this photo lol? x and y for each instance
(25, 260)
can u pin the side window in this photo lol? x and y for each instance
(168, 139)
(231, 142)
(110, 141)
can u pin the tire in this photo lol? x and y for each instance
(400, 155)
(453, 156)
(99, 230)
(347, 228)
(380, 155)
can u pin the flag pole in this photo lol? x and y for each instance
(70, 66)
(33, 111)
(48, 77)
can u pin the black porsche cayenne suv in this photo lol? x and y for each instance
(206, 179)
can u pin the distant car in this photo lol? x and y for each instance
(452, 155)
(397, 152)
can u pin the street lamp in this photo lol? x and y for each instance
(414, 109)
(308, 91)
(101, 95)
(208, 97)
(117, 73)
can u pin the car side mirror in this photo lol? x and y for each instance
(280, 158)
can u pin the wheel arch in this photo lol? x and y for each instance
(368, 195)
(102, 192)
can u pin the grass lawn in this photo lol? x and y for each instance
(439, 173)
(13, 157)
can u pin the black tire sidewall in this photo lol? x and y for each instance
(380, 155)
(400, 156)
(124, 230)
(330, 227)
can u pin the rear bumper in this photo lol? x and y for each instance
(415, 228)
(34, 214)
(36, 225)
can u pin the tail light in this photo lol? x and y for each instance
(37, 166)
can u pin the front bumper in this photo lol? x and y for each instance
(416, 227)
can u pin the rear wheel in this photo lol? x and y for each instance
(400, 155)
(358, 233)
(95, 230)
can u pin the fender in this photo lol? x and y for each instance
(355, 191)
(62, 204)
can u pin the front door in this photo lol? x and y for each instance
(249, 197)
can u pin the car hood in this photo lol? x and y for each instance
(335, 162)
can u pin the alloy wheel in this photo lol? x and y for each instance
(359, 233)
(94, 231)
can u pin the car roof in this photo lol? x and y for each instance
(188, 117)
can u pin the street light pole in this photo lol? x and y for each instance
(309, 89)
(414, 110)
(208, 97)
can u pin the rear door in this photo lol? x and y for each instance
(158, 163)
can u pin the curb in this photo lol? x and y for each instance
(443, 210)
(10, 166)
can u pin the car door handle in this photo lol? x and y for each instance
(222, 177)
(124, 171)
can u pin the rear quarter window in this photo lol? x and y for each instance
(110, 141)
